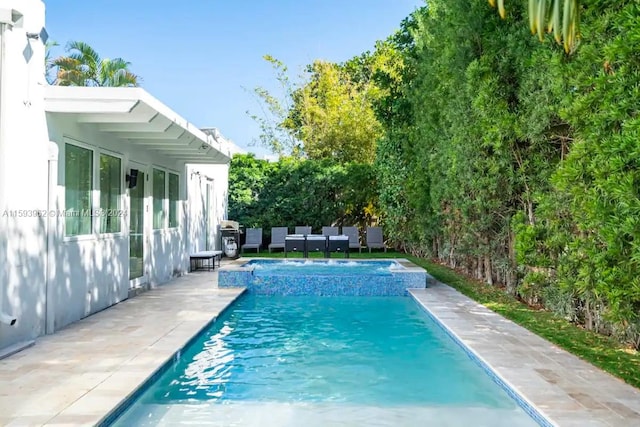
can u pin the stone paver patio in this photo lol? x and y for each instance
(566, 390)
(76, 376)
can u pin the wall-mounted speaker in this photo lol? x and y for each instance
(132, 178)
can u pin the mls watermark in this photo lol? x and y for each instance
(63, 213)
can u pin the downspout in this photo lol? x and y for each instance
(3, 202)
(52, 232)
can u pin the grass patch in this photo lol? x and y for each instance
(601, 351)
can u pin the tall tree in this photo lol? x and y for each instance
(328, 115)
(275, 132)
(333, 115)
(82, 66)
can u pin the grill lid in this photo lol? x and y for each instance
(229, 225)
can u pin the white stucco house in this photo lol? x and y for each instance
(103, 191)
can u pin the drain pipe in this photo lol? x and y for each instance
(4, 318)
(52, 233)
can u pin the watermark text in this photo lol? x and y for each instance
(62, 213)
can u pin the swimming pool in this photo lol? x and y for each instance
(313, 361)
(322, 277)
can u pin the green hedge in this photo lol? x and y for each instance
(294, 192)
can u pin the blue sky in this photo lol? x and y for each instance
(203, 57)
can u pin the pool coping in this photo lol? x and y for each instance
(520, 400)
(130, 399)
(555, 387)
(239, 264)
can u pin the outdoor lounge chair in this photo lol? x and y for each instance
(375, 239)
(278, 234)
(303, 229)
(354, 238)
(254, 240)
(329, 231)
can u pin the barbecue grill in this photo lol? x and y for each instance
(230, 238)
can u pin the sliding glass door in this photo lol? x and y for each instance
(137, 228)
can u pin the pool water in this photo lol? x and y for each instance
(340, 361)
(319, 267)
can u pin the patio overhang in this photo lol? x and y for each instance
(134, 116)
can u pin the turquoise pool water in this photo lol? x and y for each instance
(322, 267)
(340, 361)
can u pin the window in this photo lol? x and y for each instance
(173, 199)
(78, 178)
(85, 171)
(159, 190)
(166, 189)
(110, 193)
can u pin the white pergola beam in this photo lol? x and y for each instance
(147, 143)
(139, 113)
(174, 132)
(87, 107)
(158, 124)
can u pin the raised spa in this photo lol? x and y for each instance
(324, 277)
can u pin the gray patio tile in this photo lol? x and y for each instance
(622, 408)
(569, 421)
(71, 421)
(26, 421)
(93, 403)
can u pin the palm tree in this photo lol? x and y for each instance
(83, 67)
(560, 16)
(48, 61)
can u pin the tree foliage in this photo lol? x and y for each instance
(83, 66)
(49, 64)
(510, 160)
(333, 115)
(330, 113)
(275, 130)
(562, 17)
(294, 192)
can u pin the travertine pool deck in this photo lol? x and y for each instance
(566, 390)
(77, 375)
